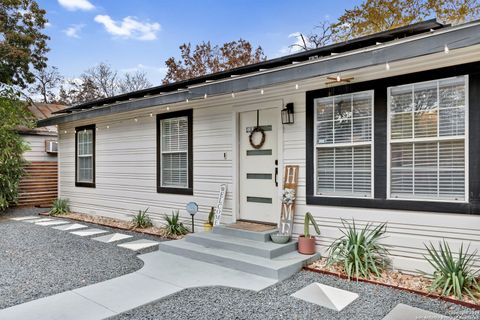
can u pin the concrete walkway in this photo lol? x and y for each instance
(162, 274)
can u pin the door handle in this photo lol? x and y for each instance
(276, 176)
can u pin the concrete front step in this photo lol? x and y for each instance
(267, 250)
(263, 236)
(279, 268)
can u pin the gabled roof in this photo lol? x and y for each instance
(361, 42)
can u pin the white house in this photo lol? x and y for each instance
(386, 128)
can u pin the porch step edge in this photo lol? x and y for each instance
(263, 236)
(266, 250)
(279, 268)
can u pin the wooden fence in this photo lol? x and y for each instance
(38, 186)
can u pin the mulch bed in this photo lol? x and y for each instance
(412, 283)
(118, 224)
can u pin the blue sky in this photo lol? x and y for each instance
(142, 34)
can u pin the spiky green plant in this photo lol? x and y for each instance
(174, 227)
(359, 250)
(453, 275)
(306, 225)
(211, 216)
(142, 220)
(59, 207)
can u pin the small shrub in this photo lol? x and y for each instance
(60, 207)
(174, 226)
(359, 250)
(454, 276)
(142, 220)
(211, 216)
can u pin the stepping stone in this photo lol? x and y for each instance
(25, 218)
(51, 223)
(39, 220)
(112, 237)
(138, 244)
(88, 232)
(70, 227)
(326, 296)
(406, 312)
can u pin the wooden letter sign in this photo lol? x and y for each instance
(221, 200)
(290, 182)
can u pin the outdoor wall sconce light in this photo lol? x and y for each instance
(288, 116)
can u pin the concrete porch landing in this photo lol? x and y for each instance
(247, 251)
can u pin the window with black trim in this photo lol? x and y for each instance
(427, 130)
(174, 154)
(343, 145)
(85, 156)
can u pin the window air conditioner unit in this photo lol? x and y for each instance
(51, 146)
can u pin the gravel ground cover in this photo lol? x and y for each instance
(275, 302)
(38, 261)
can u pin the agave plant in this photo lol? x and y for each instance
(174, 226)
(59, 207)
(142, 220)
(359, 250)
(454, 276)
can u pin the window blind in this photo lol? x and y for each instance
(427, 140)
(344, 145)
(174, 152)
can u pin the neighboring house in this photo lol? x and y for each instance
(386, 128)
(38, 186)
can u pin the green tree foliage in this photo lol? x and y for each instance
(13, 115)
(23, 45)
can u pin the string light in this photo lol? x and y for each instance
(205, 96)
(387, 66)
(446, 49)
(151, 115)
(65, 131)
(296, 86)
(168, 108)
(186, 100)
(136, 120)
(108, 127)
(338, 78)
(261, 91)
(233, 94)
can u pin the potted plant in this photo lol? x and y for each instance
(306, 242)
(207, 226)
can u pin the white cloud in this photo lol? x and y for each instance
(74, 30)
(294, 47)
(129, 28)
(74, 5)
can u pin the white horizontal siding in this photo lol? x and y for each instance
(126, 171)
(37, 148)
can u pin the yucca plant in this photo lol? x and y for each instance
(359, 250)
(454, 276)
(142, 220)
(174, 227)
(59, 207)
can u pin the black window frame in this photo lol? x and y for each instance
(379, 200)
(176, 114)
(92, 184)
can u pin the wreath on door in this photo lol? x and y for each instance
(256, 130)
(262, 141)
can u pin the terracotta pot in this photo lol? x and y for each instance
(306, 245)
(207, 227)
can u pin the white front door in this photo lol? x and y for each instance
(259, 167)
